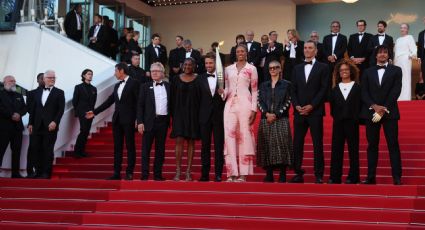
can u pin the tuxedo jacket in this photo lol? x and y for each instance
(374, 42)
(299, 52)
(101, 42)
(31, 98)
(421, 48)
(126, 107)
(274, 55)
(200, 66)
(138, 74)
(71, 24)
(152, 57)
(146, 108)
(312, 91)
(211, 107)
(340, 46)
(384, 94)
(254, 54)
(84, 99)
(53, 109)
(177, 57)
(359, 49)
(10, 103)
(349, 108)
(320, 56)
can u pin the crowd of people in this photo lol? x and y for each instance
(266, 77)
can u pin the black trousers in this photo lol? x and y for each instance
(13, 138)
(217, 129)
(345, 130)
(391, 135)
(80, 144)
(76, 36)
(31, 156)
(121, 131)
(288, 67)
(159, 134)
(301, 125)
(42, 146)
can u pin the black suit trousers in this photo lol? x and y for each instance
(343, 130)
(121, 131)
(159, 134)
(391, 135)
(301, 126)
(217, 129)
(15, 140)
(43, 144)
(85, 125)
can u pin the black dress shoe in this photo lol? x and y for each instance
(319, 180)
(114, 177)
(217, 179)
(159, 178)
(330, 181)
(369, 181)
(43, 176)
(79, 155)
(204, 179)
(349, 181)
(397, 181)
(17, 176)
(297, 179)
(31, 176)
(129, 176)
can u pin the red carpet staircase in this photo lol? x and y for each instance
(78, 197)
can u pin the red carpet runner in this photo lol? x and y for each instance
(78, 197)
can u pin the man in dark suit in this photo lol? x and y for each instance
(98, 36)
(211, 120)
(113, 40)
(335, 45)
(74, 24)
(320, 56)
(124, 96)
(31, 156)
(153, 119)
(358, 46)
(254, 49)
(381, 39)
(309, 87)
(12, 108)
(293, 52)
(421, 49)
(155, 52)
(195, 54)
(272, 52)
(84, 99)
(177, 55)
(381, 87)
(135, 71)
(45, 116)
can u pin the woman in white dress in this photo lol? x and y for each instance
(404, 51)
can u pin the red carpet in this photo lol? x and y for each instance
(78, 197)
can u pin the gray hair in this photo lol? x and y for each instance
(159, 65)
(7, 77)
(49, 72)
(8, 87)
(187, 42)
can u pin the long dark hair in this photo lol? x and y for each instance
(84, 73)
(354, 72)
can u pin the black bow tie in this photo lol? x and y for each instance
(361, 34)
(381, 35)
(122, 81)
(47, 89)
(248, 42)
(156, 47)
(159, 83)
(381, 66)
(333, 35)
(210, 75)
(308, 62)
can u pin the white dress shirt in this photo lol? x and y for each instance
(381, 73)
(212, 82)
(161, 102)
(78, 21)
(156, 48)
(334, 42)
(361, 34)
(381, 38)
(249, 44)
(121, 87)
(345, 88)
(307, 69)
(45, 95)
(96, 30)
(188, 54)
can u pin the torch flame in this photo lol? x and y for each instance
(221, 43)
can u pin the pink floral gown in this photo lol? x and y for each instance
(240, 102)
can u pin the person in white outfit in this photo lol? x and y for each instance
(404, 51)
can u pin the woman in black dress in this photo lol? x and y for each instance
(184, 111)
(274, 148)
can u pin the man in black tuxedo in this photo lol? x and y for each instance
(12, 108)
(31, 156)
(175, 62)
(421, 49)
(113, 51)
(74, 24)
(381, 87)
(135, 71)
(211, 120)
(153, 119)
(195, 54)
(381, 38)
(293, 52)
(98, 36)
(309, 87)
(320, 56)
(125, 95)
(272, 52)
(45, 116)
(84, 99)
(358, 46)
(155, 52)
(254, 49)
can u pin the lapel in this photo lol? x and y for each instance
(376, 76)
(124, 90)
(152, 94)
(385, 76)
(51, 94)
(207, 85)
(311, 72)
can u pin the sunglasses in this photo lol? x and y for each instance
(274, 67)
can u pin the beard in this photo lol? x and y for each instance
(10, 88)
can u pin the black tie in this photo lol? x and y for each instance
(123, 81)
(333, 35)
(381, 35)
(210, 75)
(159, 83)
(308, 62)
(48, 89)
(360, 34)
(248, 42)
(381, 67)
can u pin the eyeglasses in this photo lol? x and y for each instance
(156, 71)
(274, 67)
